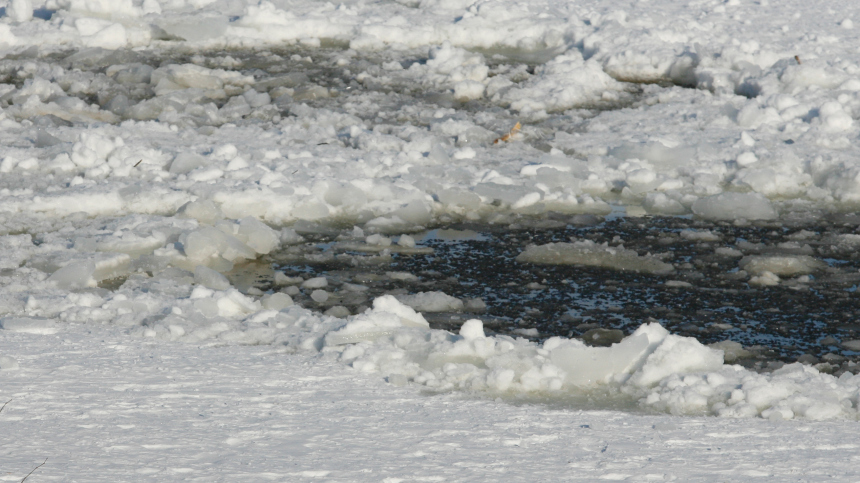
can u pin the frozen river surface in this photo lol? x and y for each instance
(489, 231)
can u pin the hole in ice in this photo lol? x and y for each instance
(467, 271)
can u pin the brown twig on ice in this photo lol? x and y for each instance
(4, 405)
(510, 134)
(797, 58)
(137, 163)
(34, 469)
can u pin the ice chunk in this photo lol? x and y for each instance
(732, 351)
(782, 265)
(733, 206)
(660, 203)
(8, 363)
(378, 240)
(406, 241)
(20, 10)
(747, 158)
(386, 317)
(196, 28)
(462, 198)
(175, 77)
(316, 282)
(765, 279)
(210, 278)
(593, 365)
(104, 8)
(472, 329)
(677, 355)
(209, 242)
(699, 235)
(29, 325)
(186, 162)
(655, 152)
(102, 33)
(834, 118)
(414, 213)
(276, 301)
(203, 211)
(257, 235)
(347, 196)
(44, 139)
(338, 311)
(77, 274)
(130, 74)
(563, 83)
(432, 302)
(232, 304)
(408, 316)
(588, 253)
(310, 209)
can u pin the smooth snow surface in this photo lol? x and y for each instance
(150, 148)
(103, 407)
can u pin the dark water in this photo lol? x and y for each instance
(801, 318)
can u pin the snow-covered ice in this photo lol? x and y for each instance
(152, 150)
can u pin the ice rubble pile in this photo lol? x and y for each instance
(139, 244)
(662, 371)
(760, 121)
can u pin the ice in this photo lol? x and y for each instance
(587, 252)
(203, 211)
(186, 162)
(853, 345)
(104, 8)
(665, 371)
(432, 302)
(730, 206)
(20, 10)
(257, 235)
(383, 319)
(472, 329)
(276, 301)
(781, 265)
(8, 363)
(205, 245)
(151, 147)
(565, 82)
(87, 270)
(315, 282)
(29, 325)
(77, 274)
(196, 30)
(210, 278)
(102, 33)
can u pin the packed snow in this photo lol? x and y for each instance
(150, 151)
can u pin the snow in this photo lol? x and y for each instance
(149, 148)
(183, 411)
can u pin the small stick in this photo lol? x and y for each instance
(34, 469)
(135, 164)
(797, 58)
(4, 405)
(510, 134)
